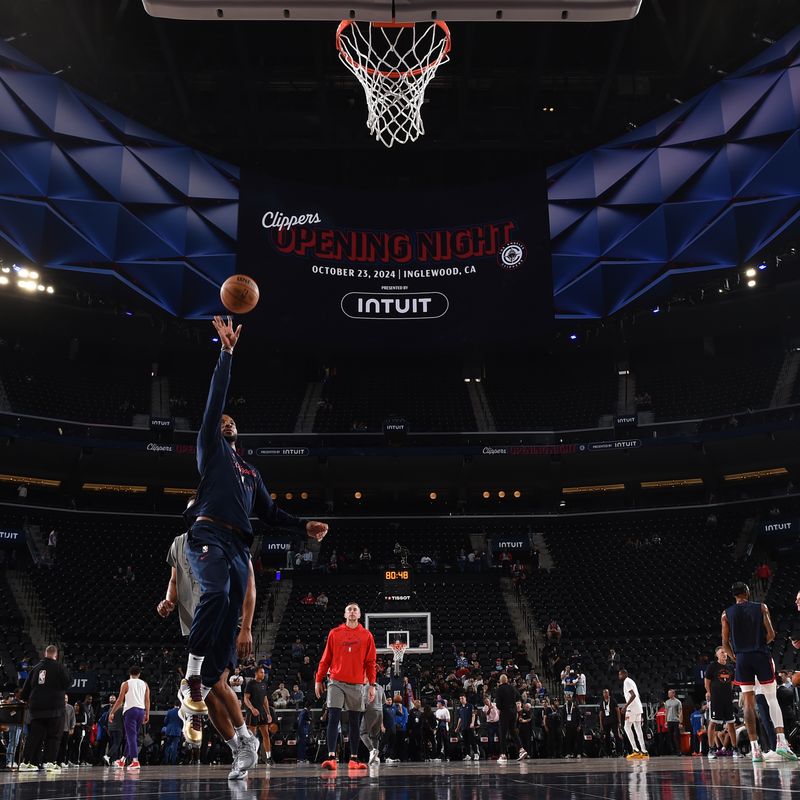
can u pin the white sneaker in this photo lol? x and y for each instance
(467, 757)
(107, 759)
(756, 754)
(392, 760)
(502, 760)
(785, 753)
(436, 760)
(736, 754)
(52, 767)
(712, 754)
(476, 757)
(28, 768)
(374, 757)
(772, 757)
(523, 754)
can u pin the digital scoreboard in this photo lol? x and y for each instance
(397, 585)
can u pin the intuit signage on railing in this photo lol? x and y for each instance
(516, 545)
(11, 538)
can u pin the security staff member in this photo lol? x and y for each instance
(44, 691)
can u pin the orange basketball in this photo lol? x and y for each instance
(796, 679)
(239, 294)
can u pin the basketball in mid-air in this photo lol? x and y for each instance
(239, 294)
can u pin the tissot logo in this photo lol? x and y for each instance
(773, 526)
(391, 306)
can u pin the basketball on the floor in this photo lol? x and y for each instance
(239, 294)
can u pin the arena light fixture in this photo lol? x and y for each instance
(33, 275)
(28, 286)
(273, 495)
(50, 290)
(487, 495)
(29, 480)
(304, 495)
(598, 489)
(672, 483)
(750, 272)
(517, 494)
(40, 288)
(357, 495)
(751, 283)
(762, 266)
(573, 336)
(288, 496)
(756, 474)
(179, 490)
(122, 488)
(433, 496)
(6, 270)
(3, 280)
(23, 272)
(501, 494)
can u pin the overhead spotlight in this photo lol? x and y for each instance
(562, 504)
(762, 266)
(40, 288)
(289, 496)
(23, 273)
(656, 309)
(622, 372)
(34, 275)
(467, 380)
(487, 495)
(357, 495)
(273, 495)
(215, 339)
(573, 336)
(28, 286)
(501, 494)
(304, 495)
(129, 313)
(3, 280)
(751, 283)
(6, 269)
(477, 380)
(517, 494)
(750, 273)
(50, 290)
(433, 496)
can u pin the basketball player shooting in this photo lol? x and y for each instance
(220, 535)
(350, 657)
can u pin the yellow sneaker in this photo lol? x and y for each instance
(632, 756)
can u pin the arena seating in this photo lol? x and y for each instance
(682, 386)
(15, 643)
(650, 586)
(432, 397)
(49, 387)
(553, 394)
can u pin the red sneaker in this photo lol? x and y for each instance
(329, 764)
(355, 764)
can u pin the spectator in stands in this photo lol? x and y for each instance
(572, 721)
(407, 692)
(333, 563)
(505, 560)
(426, 564)
(297, 697)
(22, 492)
(461, 560)
(674, 709)
(308, 600)
(78, 746)
(365, 560)
(697, 723)
(130, 577)
(569, 681)
(22, 671)
(280, 697)
(612, 662)
(536, 557)
(553, 632)
(307, 559)
(580, 688)
(52, 543)
(492, 714)
(461, 660)
(540, 690)
(763, 575)
(265, 662)
(236, 682)
(322, 600)
(305, 674)
(298, 649)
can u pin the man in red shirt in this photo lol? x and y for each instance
(662, 731)
(350, 658)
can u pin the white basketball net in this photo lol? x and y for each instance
(394, 64)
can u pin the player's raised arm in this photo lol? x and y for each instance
(209, 434)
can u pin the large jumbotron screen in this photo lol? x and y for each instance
(445, 267)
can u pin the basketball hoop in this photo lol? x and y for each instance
(398, 652)
(394, 63)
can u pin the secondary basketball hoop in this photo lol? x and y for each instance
(394, 63)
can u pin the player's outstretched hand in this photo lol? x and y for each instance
(165, 608)
(316, 530)
(318, 689)
(244, 643)
(227, 335)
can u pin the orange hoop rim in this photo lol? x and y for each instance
(399, 647)
(393, 74)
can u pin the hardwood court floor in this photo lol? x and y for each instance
(586, 779)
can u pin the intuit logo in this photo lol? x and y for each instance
(778, 526)
(511, 545)
(410, 305)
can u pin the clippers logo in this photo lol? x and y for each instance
(512, 255)
(409, 305)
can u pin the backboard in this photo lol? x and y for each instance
(399, 10)
(411, 627)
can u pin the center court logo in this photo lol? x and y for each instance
(395, 306)
(512, 255)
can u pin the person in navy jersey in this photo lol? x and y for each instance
(220, 535)
(747, 632)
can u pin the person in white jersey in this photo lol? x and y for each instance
(632, 711)
(134, 697)
(442, 730)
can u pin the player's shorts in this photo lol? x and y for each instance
(371, 723)
(633, 716)
(751, 667)
(721, 711)
(347, 696)
(253, 721)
